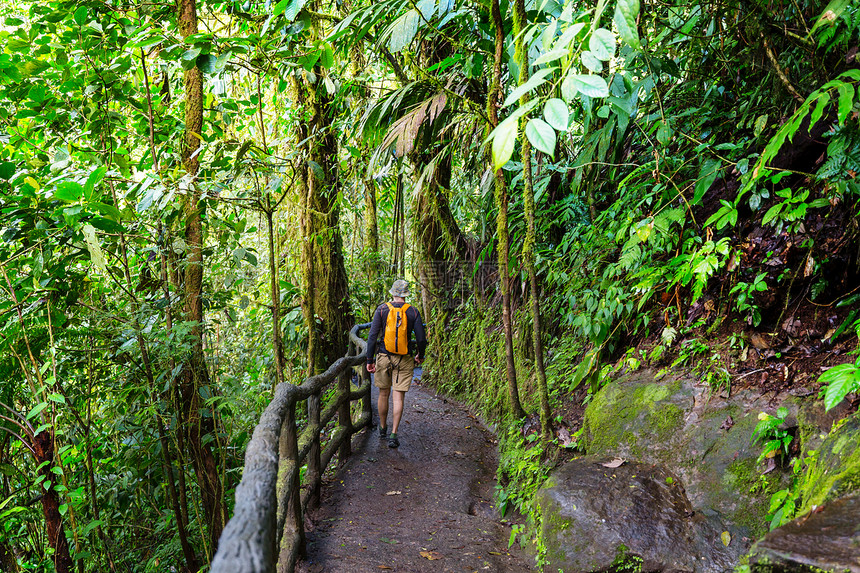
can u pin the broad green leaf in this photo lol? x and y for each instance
(533, 82)
(557, 114)
(327, 56)
(567, 36)
(207, 63)
(591, 62)
(592, 86)
(94, 179)
(309, 60)
(664, 133)
(36, 410)
(771, 214)
(289, 8)
(189, 58)
(148, 42)
(38, 93)
(403, 31)
(7, 170)
(551, 56)
(602, 44)
(841, 381)
(707, 175)
(81, 15)
(69, 191)
(626, 13)
(548, 35)
(541, 135)
(820, 104)
(760, 124)
(831, 13)
(846, 101)
(56, 397)
(504, 138)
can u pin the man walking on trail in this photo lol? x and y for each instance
(396, 320)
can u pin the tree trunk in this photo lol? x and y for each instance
(326, 298)
(522, 59)
(195, 373)
(43, 449)
(277, 344)
(501, 198)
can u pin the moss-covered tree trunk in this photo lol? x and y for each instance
(501, 198)
(442, 247)
(195, 375)
(325, 300)
(528, 255)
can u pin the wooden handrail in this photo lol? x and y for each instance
(266, 532)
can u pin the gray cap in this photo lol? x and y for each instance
(400, 288)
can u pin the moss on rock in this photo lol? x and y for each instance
(706, 440)
(834, 470)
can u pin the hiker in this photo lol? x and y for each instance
(396, 320)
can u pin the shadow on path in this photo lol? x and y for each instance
(425, 506)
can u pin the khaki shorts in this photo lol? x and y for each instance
(394, 371)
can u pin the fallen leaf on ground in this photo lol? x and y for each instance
(726, 537)
(393, 493)
(616, 463)
(431, 555)
(564, 436)
(385, 567)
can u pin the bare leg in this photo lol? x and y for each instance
(382, 407)
(397, 411)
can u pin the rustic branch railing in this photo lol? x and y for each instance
(266, 532)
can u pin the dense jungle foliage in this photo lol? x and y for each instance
(197, 199)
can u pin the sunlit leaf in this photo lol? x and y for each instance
(602, 44)
(551, 56)
(504, 138)
(592, 86)
(403, 31)
(81, 15)
(69, 191)
(591, 62)
(846, 100)
(557, 114)
(626, 13)
(539, 78)
(541, 135)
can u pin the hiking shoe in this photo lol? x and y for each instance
(383, 431)
(393, 442)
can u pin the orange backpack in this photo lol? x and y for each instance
(395, 338)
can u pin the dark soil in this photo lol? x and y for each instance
(425, 506)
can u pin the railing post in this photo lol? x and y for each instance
(344, 417)
(314, 475)
(289, 500)
(366, 404)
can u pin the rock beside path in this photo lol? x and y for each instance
(597, 518)
(824, 540)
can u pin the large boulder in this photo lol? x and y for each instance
(827, 539)
(833, 469)
(704, 438)
(597, 518)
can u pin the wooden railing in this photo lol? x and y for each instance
(266, 532)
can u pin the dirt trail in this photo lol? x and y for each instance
(425, 506)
